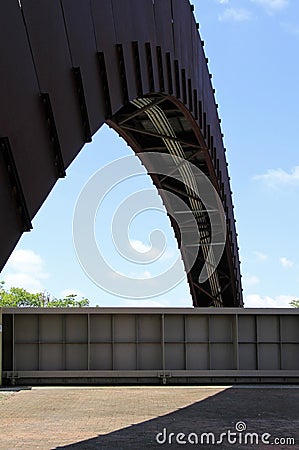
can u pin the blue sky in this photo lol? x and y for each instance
(252, 46)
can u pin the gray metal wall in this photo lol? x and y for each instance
(140, 345)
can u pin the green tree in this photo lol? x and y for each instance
(295, 303)
(18, 297)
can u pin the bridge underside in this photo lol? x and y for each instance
(68, 67)
(157, 123)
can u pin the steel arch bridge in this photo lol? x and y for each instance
(69, 66)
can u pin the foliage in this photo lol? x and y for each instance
(295, 303)
(19, 297)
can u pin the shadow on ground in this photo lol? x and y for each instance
(274, 411)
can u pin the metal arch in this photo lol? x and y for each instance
(100, 56)
(163, 133)
(161, 123)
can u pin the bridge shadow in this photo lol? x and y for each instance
(271, 410)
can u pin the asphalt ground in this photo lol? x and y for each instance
(211, 417)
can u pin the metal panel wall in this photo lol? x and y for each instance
(190, 345)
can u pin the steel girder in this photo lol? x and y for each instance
(67, 67)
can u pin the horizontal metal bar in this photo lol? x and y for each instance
(144, 311)
(149, 373)
(202, 243)
(200, 226)
(197, 211)
(178, 191)
(160, 136)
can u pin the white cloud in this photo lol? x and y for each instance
(260, 256)
(150, 253)
(161, 255)
(223, 2)
(23, 280)
(25, 261)
(275, 178)
(264, 301)
(25, 269)
(235, 15)
(286, 262)
(139, 246)
(250, 280)
(272, 5)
